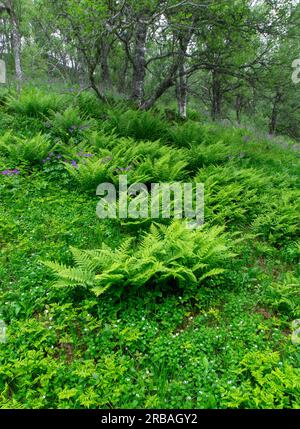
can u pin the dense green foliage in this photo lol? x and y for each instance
(145, 314)
(224, 60)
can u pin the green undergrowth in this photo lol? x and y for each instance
(143, 313)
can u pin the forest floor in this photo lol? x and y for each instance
(227, 341)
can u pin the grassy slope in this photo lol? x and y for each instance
(227, 345)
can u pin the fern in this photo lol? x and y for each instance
(89, 173)
(187, 135)
(35, 103)
(32, 150)
(163, 255)
(137, 124)
(68, 124)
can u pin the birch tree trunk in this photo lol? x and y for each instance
(16, 42)
(182, 91)
(139, 62)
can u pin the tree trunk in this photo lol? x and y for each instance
(182, 91)
(139, 62)
(105, 73)
(123, 81)
(81, 71)
(16, 41)
(216, 96)
(161, 89)
(238, 107)
(274, 114)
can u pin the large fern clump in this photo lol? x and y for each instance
(68, 124)
(35, 103)
(233, 194)
(137, 124)
(146, 163)
(89, 172)
(32, 151)
(185, 135)
(171, 254)
(280, 223)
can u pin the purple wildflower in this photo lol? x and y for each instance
(74, 163)
(73, 128)
(10, 172)
(46, 159)
(88, 155)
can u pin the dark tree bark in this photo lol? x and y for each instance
(167, 83)
(238, 107)
(105, 72)
(216, 92)
(274, 114)
(123, 79)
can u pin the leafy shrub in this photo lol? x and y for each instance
(34, 103)
(165, 255)
(32, 150)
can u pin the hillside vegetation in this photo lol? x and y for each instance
(145, 313)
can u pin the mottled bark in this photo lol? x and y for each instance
(139, 62)
(123, 78)
(16, 42)
(182, 90)
(105, 72)
(216, 93)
